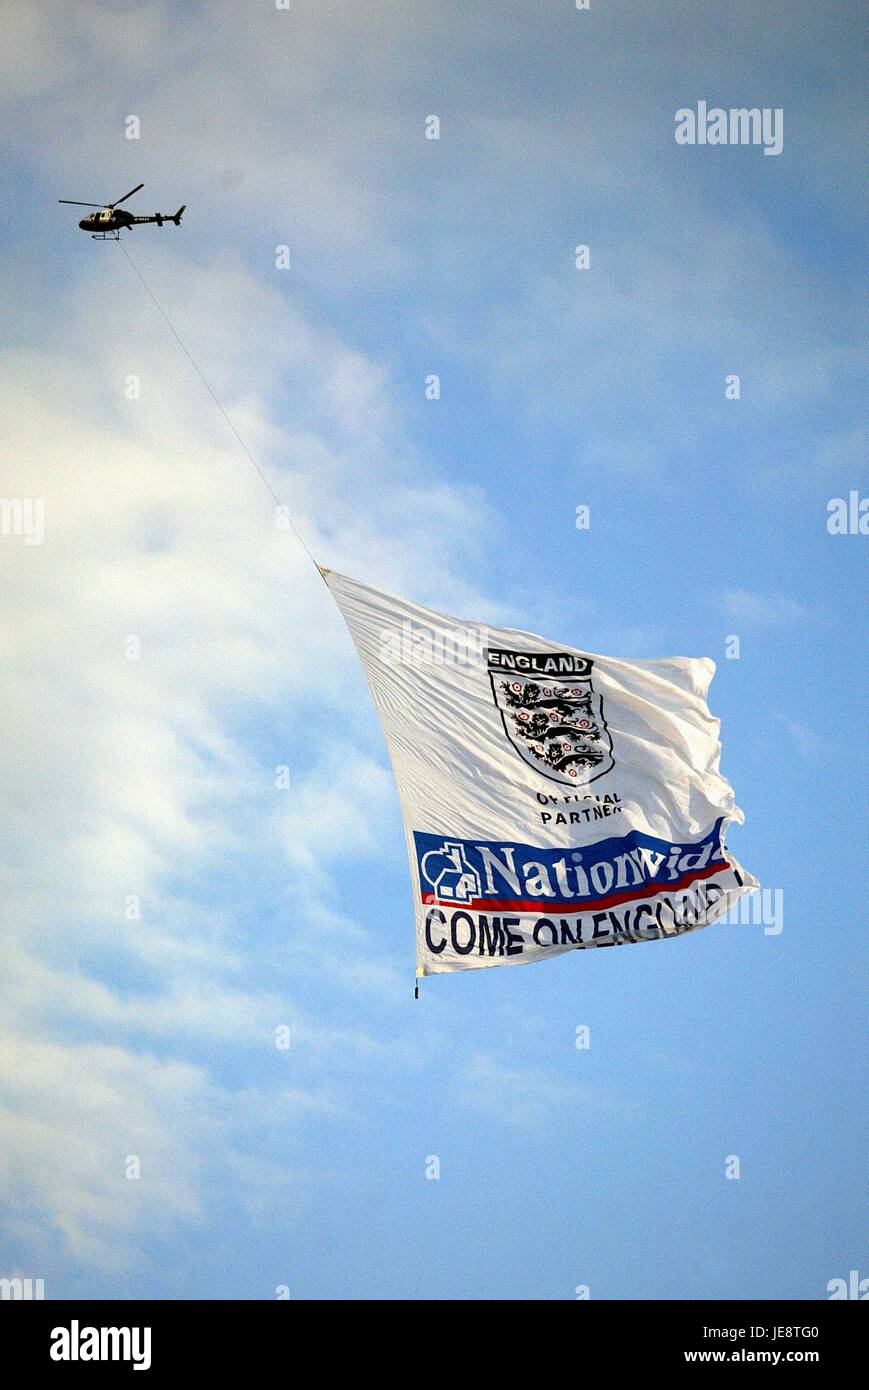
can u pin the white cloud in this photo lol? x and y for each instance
(71, 1117)
(154, 778)
(766, 610)
(525, 1097)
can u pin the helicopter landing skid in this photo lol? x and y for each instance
(106, 236)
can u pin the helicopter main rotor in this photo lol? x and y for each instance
(74, 202)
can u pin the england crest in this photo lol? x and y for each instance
(552, 714)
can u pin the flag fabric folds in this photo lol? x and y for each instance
(553, 799)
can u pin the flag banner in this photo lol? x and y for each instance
(553, 799)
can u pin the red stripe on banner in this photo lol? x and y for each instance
(544, 907)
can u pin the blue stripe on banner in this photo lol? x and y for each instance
(525, 878)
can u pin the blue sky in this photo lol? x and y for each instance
(153, 779)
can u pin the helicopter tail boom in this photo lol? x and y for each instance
(161, 217)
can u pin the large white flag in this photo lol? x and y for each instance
(552, 799)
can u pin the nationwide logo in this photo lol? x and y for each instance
(552, 714)
(448, 872)
(512, 877)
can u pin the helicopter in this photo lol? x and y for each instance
(107, 224)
